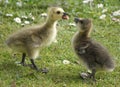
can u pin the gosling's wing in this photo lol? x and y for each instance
(100, 53)
(22, 37)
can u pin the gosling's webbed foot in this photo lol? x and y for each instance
(84, 75)
(45, 70)
(87, 75)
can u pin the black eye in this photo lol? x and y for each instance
(81, 22)
(58, 12)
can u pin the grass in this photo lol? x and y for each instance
(105, 31)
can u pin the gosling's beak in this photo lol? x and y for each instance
(76, 20)
(65, 16)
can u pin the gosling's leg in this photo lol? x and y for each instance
(33, 54)
(23, 59)
(44, 70)
(92, 75)
(34, 65)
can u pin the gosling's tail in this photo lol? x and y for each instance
(109, 65)
(8, 42)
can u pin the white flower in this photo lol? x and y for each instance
(66, 62)
(87, 1)
(116, 13)
(102, 16)
(30, 14)
(33, 18)
(100, 5)
(22, 24)
(19, 4)
(24, 17)
(6, 1)
(9, 15)
(26, 22)
(116, 20)
(17, 20)
(43, 15)
(72, 24)
(104, 10)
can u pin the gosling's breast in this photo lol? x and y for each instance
(50, 37)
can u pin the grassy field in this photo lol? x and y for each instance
(105, 31)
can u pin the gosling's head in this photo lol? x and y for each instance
(57, 13)
(83, 24)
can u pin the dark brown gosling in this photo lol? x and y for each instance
(94, 55)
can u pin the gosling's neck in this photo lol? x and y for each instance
(84, 35)
(50, 22)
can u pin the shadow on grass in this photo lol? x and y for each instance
(67, 76)
(9, 70)
(9, 67)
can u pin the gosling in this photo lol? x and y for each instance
(29, 41)
(93, 54)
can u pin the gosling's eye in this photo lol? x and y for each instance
(81, 22)
(58, 12)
